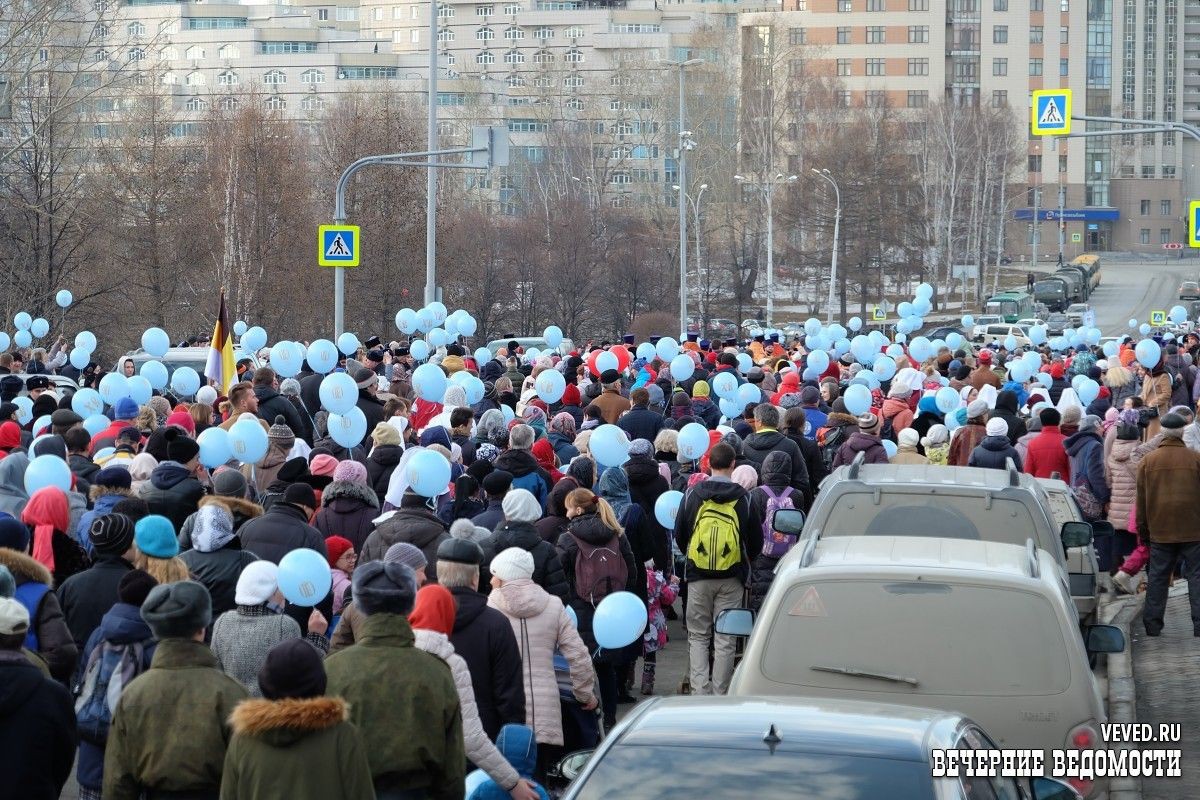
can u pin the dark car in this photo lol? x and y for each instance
(944, 331)
(680, 748)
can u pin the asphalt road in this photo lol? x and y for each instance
(1132, 289)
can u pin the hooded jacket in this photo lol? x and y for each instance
(898, 412)
(590, 529)
(859, 442)
(394, 690)
(484, 639)
(347, 509)
(281, 530)
(527, 474)
(295, 747)
(993, 453)
(1047, 454)
(413, 523)
(541, 625)
(217, 562)
(380, 465)
(240, 509)
(1122, 476)
(776, 474)
(759, 445)
(547, 566)
(56, 645)
(1086, 452)
(1006, 409)
(646, 485)
(519, 748)
(564, 448)
(172, 492)
(102, 506)
(707, 411)
(721, 490)
(84, 469)
(13, 496)
(37, 729)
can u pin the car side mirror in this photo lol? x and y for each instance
(735, 622)
(1076, 534)
(1053, 789)
(1104, 639)
(789, 521)
(571, 765)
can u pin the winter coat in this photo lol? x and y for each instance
(1191, 436)
(87, 596)
(414, 524)
(993, 453)
(242, 638)
(776, 474)
(1006, 409)
(372, 408)
(491, 517)
(590, 529)
(1168, 479)
(479, 747)
(172, 492)
(907, 454)
(37, 730)
(351, 621)
(102, 507)
(272, 404)
(759, 445)
(1086, 452)
(56, 645)
(527, 474)
(721, 490)
(707, 412)
(281, 530)
(898, 412)
(341, 582)
(219, 570)
(984, 376)
(1156, 391)
(1047, 454)
(262, 475)
(564, 448)
(123, 624)
(963, 442)
(289, 748)
(646, 485)
(547, 566)
(348, 509)
(396, 691)
(641, 423)
(813, 463)
(84, 470)
(611, 404)
(484, 639)
(170, 730)
(859, 442)
(241, 510)
(1122, 476)
(380, 466)
(108, 436)
(541, 626)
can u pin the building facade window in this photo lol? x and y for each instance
(918, 34)
(576, 32)
(1164, 235)
(876, 34)
(312, 76)
(845, 6)
(999, 5)
(195, 104)
(1144, 236)
(514, 57)
(195, 79)
(875, 97)
(1144, 205)
(544, 33)
(1164, 208)
(1035, 66)
(1064, 66)
(999, 66)
(228, 51)
(513, 33)
(275, 77)
(484, 11)
(227, 78)
(843, 34)
(1035, 34)
(999, 98)
(918, 5)
(918, 98)
(313, 102)
(135, 29)
(876, 5)
(485, 57)
(876, 67)
(574, 57)
(797, 36)
(485, 35)
(1000, 34)
(843, 68)
(276, 103)
(573, 82)
(918, 66)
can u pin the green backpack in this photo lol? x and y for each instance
(715, 545)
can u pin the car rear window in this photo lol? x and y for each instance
(952, 639)
(685, 773)
(942, 515)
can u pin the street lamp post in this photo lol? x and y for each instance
(695, 204)
(767, 187)
(686, 143)
(837, 225)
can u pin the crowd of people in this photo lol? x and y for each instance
(145, 637)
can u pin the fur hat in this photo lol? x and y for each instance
(384, 588)
(178, 610)
(513, 564)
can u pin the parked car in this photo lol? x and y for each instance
(176, 357)
(723, 328)
(793, 330)
(1189, 290)
(988, 505)
(1075, 313)
(982, 322)
(944, 331)
(752, 324)
(527, 342)
(815, 748)
(1000, 333)
(982, 628)
(1055, 324)
(59, 384)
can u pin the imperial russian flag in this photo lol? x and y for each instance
(220, 367)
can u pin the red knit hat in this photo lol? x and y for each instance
(336, 547)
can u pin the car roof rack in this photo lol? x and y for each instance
(1035, 569)
(1014, 474)
(856, 464)
(810, 550)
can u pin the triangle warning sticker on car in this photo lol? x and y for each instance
(809, 605)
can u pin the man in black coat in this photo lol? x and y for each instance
(368, 403)
(496, 484)
(173, 490)
(640, 422)
(272, 404)
(767, 438)
(87, 596)
(483, 637)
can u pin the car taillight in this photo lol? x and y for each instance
(1084, 787)
(1083, 737)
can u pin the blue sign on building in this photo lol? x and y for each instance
(1070, 214)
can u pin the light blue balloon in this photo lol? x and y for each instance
(1044, 379)
(155, 372)
(1078, 379)
(550, 385)
(438, 310)
(79, 358)
(858, 399)
(724, 385)
(5, 342)
(871, 379)
(338, 393)
(619, 621)
(748, 393)
(877, 339)
(473, 386)
(507, 411)
(1037, 334)
(609, 445)
(1111, 349)
(895, 350)
(1145, 329)
(428, 473)
(437, 338)
(1133, 323)
(286, 359)
(156, 342)
(419, 350)
(23, 338)
(924, 291)
(841, 346)
(1177, 314)
(95, 423)
(921, 306)
(812, 326)
(554, 336)
(64, 298)
(646, 351)
(1088, 390)
(140, 390)
(1010, 343)
(904, 309)
(248, 441)
(745, 363)
(239, 328)
(22, 320)
(406, 321)
(667, 348)
(322, 356)
(215, 448)
(890, 448)
(348, 429)
(901, 338)
(477, 777)
(968, 321)
(947, 400)
(467, 325)
(854, 324)
(682, 367)
(304, 577)
(425, 320)
(348, 343)
(113, 387)
(254, 339)
(666, 508)
(1148, 353)
(533, 354)
(884, 367)
(819, 360)
(185, 381)
(429, 383)
(46, 471)
(729, 408)
(693, 441)
(1019, 371)
(25, 409)
(920, 348)
(451, 328)
(39, 328)
(954, 340)
(1092, 337)
(482, 356)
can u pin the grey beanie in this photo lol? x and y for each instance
(381, 588)
(407, 554)
(177, 610)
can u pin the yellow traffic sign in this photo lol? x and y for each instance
(338, 245)
(1158, 318)
(1050, 112)
(878, 313)
(1193, 226)
(1076, 237)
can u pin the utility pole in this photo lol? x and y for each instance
(837, 224)
(431, 174)
(767, 186)
(685, 143)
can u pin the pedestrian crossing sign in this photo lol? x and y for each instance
(878, 313)
(338, 245)
(1050, 112)
(1158, 318)
(1194, 223)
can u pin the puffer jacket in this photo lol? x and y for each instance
(480, 750)
(898, 412)
(281, 530)
(993, 453)
(860, 442)
(591, 529)
(348, 509)
(646, 485)
(541, 625)
(759, 445)
(55, 643)
(272, 404)
(526, 473)
(547, 567)
(483, 639)
(1086, 451)
(266, 472)
(380, 465)
(1122, 475)
(172, 492)
(413, 523)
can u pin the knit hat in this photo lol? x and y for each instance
(908, 438)
(997, 427)
(13, 534)
(868, 423)
(937, 434)
(182, 419)
(460, 551)
(385, 434)
(228, 482)
(379, 587)
(521, 506)
(1089, 423)
(497, 483)
(257, 583)
(212, 528)
(178, 610)
(155, 536)
(407, 554)
(351, 472)
(434, 610)
(289, 387)
(8, 584)
(985, 356)
(976, 409)
(364, 377)
(609, 376)
(335, 548)
(701, 389)
(279, 433)
(899, 390)
(14, 619)
(180, 447)
(641, 447)
(112, 478)
(292, 668)
(125, 409)
(111, 534)
(810, 395)
(513, 564)
(135, 586)
(1071, 415)
(300, 494)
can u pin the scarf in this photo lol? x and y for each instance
(614, 487)
(47, 511)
